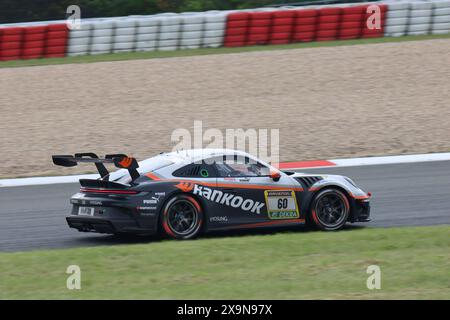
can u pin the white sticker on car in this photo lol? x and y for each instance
(281, 204)
(85, 211)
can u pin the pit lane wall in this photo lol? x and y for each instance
(212, 29)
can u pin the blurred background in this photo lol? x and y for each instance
(38, 10)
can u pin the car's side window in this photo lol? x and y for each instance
(238, 166)
(196, 171)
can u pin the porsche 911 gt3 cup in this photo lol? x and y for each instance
(185, 193)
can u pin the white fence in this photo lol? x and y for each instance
(148, 33)
(417, 18)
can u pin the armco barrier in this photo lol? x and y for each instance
(212, 29)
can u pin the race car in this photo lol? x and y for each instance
(185, 193)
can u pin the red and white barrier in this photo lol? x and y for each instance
(213, 29)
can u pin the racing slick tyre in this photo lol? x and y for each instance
(182, 218)
(329, 209)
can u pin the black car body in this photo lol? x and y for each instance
(189, 192)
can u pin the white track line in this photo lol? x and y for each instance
(392, 159)
(20, 182)
(353, 162)
(371, 161)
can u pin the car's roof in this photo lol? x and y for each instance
(194, 155)
(167, 162)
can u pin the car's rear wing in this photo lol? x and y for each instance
(119, 160)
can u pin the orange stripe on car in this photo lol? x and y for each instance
(185, 186)
(226, 185)
(152, 176)
(257, 186)
(359, 197)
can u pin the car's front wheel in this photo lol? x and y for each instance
(182, 217)
(330, 209)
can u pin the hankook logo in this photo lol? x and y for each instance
(228, 199)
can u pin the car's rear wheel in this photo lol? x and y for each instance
(182, 217)
(330, 209)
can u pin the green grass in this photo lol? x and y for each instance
(205, 51)
(414, 261)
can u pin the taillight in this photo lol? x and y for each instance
(108, 191)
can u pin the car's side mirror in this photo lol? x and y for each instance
(275, 175)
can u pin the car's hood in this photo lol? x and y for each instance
(332, 180)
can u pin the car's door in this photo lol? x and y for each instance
(254, 196)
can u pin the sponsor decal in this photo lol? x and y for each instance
(84, 202)
(153, 200)
(219, 219)
(125, 162)
(227, 199)
(185, 186)
(160, 194)
(146, 208)
(281, 204)
(204, 173)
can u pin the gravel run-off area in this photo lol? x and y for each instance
(362, 100)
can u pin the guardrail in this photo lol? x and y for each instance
(213, 29)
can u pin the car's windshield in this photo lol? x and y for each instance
(238, 166)
(235, 169)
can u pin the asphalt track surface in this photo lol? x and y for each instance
(409, 194)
